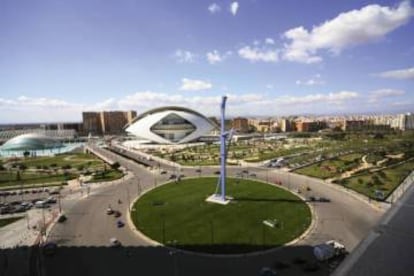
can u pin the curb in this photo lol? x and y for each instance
(194, 253)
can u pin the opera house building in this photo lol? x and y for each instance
(170, 125)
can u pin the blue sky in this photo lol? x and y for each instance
(59, 58)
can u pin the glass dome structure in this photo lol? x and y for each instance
(31, 141)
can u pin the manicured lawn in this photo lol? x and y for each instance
(178, 215)
(385, 180)
(52, 169)
(29, 178)
(109, 175)
(72, 159)
(6, 221)
(333, 167)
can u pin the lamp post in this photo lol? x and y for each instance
(139, 186)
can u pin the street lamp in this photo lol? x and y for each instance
(139, 186)
(173, 254)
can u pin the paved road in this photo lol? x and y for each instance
(345, 218)
(388, 249)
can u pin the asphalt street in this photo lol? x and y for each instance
(345, 219)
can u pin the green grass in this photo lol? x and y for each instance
(178, 215)
(386, 180)
(6, 221)
(332, 167)
(54, 169)
(72, 159)
(29, 178)
(109, 175)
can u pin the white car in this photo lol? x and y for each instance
(113, 242)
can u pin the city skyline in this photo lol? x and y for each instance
(271, 59)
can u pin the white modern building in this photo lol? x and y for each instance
(170, 125)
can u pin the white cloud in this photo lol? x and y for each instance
(403, 74)
(214, 8)
(315, 80)
(256, 54)
(234, 7)
(368, 24)
(377, 95)
(183, 56)
(269, 41)
(104, 105)
(336, 98)
(41, 102)
(214, 56)
(194, 85)
(209, 105)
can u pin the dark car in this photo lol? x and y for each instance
(62, 218)
(217, 172)
(19, 209)
(173, 176)
(120, 224)
(163, 172)
(117, 214)
(324, 199)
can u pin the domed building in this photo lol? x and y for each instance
(170, 125)
(31, 141)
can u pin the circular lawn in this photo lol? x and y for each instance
(177, 215)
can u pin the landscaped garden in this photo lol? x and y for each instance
(260, 216)
(54, 170)
(384, 181)
(332, 167)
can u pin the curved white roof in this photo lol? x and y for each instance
(170, 125)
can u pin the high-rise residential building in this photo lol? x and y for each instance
(106, 122)
(240, 124)
(404, 121)
(310, 126)
(91, 123)
(352, 125)
(285, 125)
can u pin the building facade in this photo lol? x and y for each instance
(106, 122)
(240, 124)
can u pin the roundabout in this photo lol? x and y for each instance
(259, 217)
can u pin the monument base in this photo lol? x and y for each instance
(216, 198)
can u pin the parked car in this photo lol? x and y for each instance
(120, 224)
(109, 211)
(163, 172)
(41, 204)
(27, 205)
(5, 210)
(51, 199)
(173, 176)
(19, 209)
(117, 214)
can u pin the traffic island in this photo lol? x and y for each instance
(177, 215)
